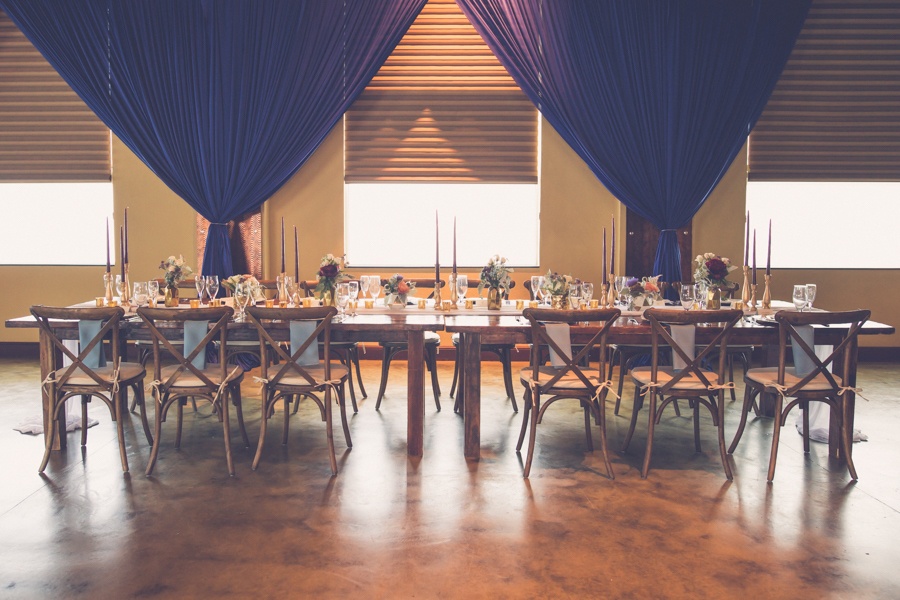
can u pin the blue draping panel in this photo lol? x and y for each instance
(224, 100)
(803, 364)
(194, 332)
(656, 96)
(87, 331)
(300, 332)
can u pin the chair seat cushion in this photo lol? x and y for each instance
(128, 373)
(431, 339)
(213, 373)
(768, 376)
(690, 381)
(569, 381)
(292, 378)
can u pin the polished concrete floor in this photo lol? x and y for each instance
(391, 526)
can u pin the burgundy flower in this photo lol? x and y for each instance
(328, 271)
(716, 268)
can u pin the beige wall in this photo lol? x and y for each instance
(574, 209)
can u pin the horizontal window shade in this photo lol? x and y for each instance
(835, 113)
(46, 132)
(442, 108)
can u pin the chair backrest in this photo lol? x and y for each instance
(422, 283)
(322, 315)
(540, 317)
(660, 318)
(221, 315)
(788, 322)
(527, 285)
(309, 287)
(110, 319)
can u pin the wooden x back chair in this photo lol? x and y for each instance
(174, 384)
(692, 383)
(78, 379)
(293, 380)
(569, 381)
(432, 343)
(819, 385)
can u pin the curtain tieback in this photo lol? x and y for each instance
(649, 386)
(662, 230)
(856, 391)
(218, 223)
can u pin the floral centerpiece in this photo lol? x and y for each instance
(642, 292)
(557, 286)
(175, 271)
(495, 275)
(232, 282)
(396, 290)
(331, 272)
(713, 270)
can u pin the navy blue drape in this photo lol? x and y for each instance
(656, 96)
(223, 99)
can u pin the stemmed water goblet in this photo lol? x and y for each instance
(242, 292)
(537, 282)
(153, 291)
(587, 292)
(354, 293)
(462, 286)
(141, 294)
(200, 284)
(687, 296)
(800, 297)
(620, 288)
(810, 295)
(212, 286)
(343, 298)
(120, 286)
(700, 294)
(374, 286)
(363, 286)
(574, 295)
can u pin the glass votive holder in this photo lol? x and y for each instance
(520, 304)
(737, 305)
(446, 305)
(370, 303)
(307, 302)
(354, 304)
(152, 302)
(195, 303)
(532, 304)
(101, 301)
(470, 304)
(595, 303)
(270, 303)
(422, 304)
(282, 304)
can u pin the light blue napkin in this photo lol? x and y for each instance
(194, 332)
(300, 332)
(803, 364)
(684, 336)
(559, 333)
(87, 330)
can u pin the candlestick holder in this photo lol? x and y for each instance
(753, 296)
(437, 295)
(126, 288)
(611, 295)
(108, 284)
(745, 291)
(767, 298)
(604, 290)
(454, 295)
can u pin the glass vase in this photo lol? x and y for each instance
(713, 298)
(558, 301)
(494, 299)
(171, 296)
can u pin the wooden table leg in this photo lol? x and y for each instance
(415, 394)
(47, 361)
(470, 345)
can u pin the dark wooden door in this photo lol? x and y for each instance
(641, 240)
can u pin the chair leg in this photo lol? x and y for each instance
(194, 403)
(84, 420)
(720, 433)
(285, 400)
(621, 380)
(525, 418)
(431, 359)
(155, 451)
(239, 411)
(385, 368)
(133, 404)
(731, 377)
(649, 451)
(587, 428)
(179, 418)
(262, 429)
(142, 399)
(677, 410)
(362, 389)
(775, 436)
(636, 407)
(506, 361)
(226, 427)
(804, 408)
(696, 425)
(601, 418)
(455, 375)
(346, 426)
(748, 395)
(51, 430)
(119, 401)
(295, 399)
(328, 431)
(535, 409)
(847, 439)
(345, 360)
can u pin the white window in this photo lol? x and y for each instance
(55, 223)
(826, 225)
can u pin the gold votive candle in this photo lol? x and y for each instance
(113, 302)
(520, 304)
(737, 305)
(270, 303)
(307, 302)
(422, 304)
(370, 303)
(595, 304)
(532, 304)
(195, 303)
(282, 304)
(446, 304)
(470, 303)
(100, 301)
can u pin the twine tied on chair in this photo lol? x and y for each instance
(45, 384)
(224, 384)
(647, 388)
(262, 381)
(781, 389)
(153, 388)
(856, 391)
(333, 383)
(724, 386)
(608, 386)
(115, 382)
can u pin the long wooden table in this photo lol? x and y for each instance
(510, 329)
(396, 326)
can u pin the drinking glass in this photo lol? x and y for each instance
(700, 294)
(587, 292)
(242, 293)
(200, 284)
(536, 287)
(140, 295)
(343, 298)
(810, 295)
(153, 289)
(620, 288)
(575, 296)
(253, 288)
(374, 286)
(212, 286)
(687, 296)
(363, 286)
(462, 286)
(120, 285)
(354, 292)
(800, 298)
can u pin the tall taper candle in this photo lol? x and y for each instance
(296, 257)
(753, 282)
(612, 248)
(769, 254)
(122, 250)
(437, 250)
(125, 258)
(603, 266)
(454, 245)
(282, 245)
(747, 242)
(107, 244)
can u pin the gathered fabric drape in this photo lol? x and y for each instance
(223, 99)
(656, 96)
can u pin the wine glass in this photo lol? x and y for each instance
(363, 285)
(810, 295)
(536, 287)
(620, 288)
(120, 286)
(212, 286)
(354, 292)
(574, 296)
(800, 298)
(200, 284)
(687, 296)
(343, 298)
(153, 289)
(700, 294)
(253, 291)
(140, 295)
(375, 286)
(462, 286)
(242, 293)
(587, 292)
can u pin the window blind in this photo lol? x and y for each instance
(46, 132)
(835, 113)
(442, 108)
